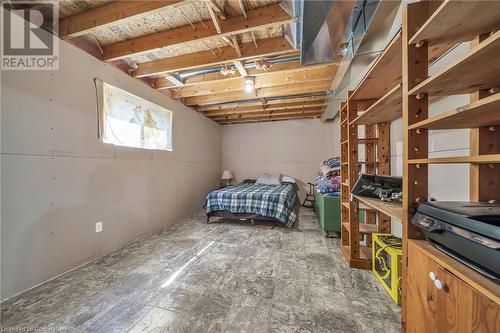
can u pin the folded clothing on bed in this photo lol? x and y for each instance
(272, 201)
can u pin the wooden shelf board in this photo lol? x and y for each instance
(364, 228)
(344, 163)
(384, 74)
(478, 159)
(364, 261)
(368, 141)
(484, 112)
(386, 109)
(485, 286)
(367, 228)
(477, 69)
(364, 207)
(345, 184)
(453, 22)
(391, 209)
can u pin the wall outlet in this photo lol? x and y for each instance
(98, 227)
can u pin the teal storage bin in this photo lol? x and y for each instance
(328, 211)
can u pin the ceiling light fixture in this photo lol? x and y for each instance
(249, 83)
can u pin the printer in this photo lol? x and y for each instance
(467, 231)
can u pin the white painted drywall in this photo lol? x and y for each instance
(58, 179)
(293, 147)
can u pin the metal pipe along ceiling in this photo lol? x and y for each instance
(187, 74)
(321, 93)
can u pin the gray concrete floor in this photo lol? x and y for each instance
(221, 277)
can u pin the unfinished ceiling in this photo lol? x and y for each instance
(232, 60)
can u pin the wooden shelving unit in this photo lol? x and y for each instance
(476, 70)
(461, 26)
(373, 104)
(379, 99)
(385, 109)
(384, 74)
(478, 73)
(481, 113)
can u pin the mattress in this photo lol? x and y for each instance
(271, 201)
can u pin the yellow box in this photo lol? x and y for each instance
(386, 263)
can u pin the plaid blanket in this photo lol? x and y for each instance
(271, 201)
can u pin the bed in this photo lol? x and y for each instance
(255, 201)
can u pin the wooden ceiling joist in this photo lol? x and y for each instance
(268, 47)
(258, 18)
(296, 76)
(315, 107)
(268, 107)
(268, 118)
(267, 114)
(106, 15)
(162, 83)
(284, 101)
(300, 88)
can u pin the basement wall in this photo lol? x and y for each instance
(58, 179)
(292, 147)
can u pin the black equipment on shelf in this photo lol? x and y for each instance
(380, 187)
(466, 231)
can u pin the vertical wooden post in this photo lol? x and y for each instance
(370, 215)
(369, 150)
(352, 149)
(415, 142)
(384, 149)
(344, 174)
(384, 168)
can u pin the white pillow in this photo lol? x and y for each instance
(269, 180)
(287, 179)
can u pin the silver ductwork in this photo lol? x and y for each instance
(324, 24)
(377, 23)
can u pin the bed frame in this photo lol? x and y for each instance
(251, 216)
(239, 216)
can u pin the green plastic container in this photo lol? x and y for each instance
(328, 211)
